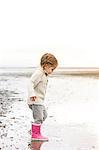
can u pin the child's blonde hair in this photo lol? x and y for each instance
(49, 59)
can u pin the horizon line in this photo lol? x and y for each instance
(69, 67)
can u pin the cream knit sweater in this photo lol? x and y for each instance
(37, 87)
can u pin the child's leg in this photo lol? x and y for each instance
(30, 106)
(37, 113)
(44, 113)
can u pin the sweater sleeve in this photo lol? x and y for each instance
(34, 80)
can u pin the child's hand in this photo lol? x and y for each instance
(33, 98)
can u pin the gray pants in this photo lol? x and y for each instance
(39, 113)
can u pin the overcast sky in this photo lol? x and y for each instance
(67, 28)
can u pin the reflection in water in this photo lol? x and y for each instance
(36, 145)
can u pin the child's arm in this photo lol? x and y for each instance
(33, 98)
(34, 80)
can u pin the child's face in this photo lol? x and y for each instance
(48, 69)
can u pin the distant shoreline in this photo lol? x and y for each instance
(27, 71)
(16, 67)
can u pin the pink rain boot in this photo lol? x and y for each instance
(36, 134)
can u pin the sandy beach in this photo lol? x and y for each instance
(73, 108)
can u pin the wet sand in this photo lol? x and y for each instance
(72, 122)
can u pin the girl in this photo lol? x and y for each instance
(36, 92)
